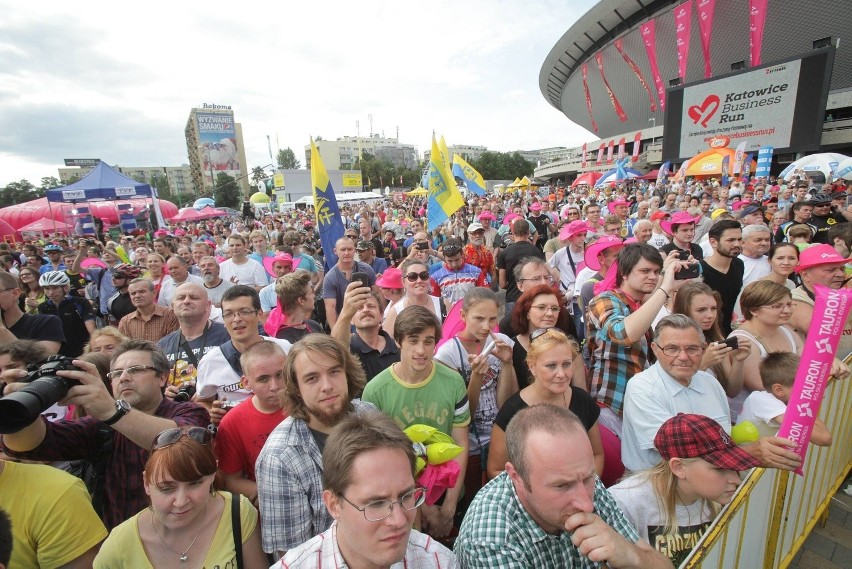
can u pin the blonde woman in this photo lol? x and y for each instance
(104, 340)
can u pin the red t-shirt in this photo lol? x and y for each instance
(241, 436)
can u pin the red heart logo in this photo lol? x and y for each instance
(705, 111)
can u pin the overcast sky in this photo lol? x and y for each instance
(116, 81)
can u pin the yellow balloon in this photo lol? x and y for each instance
(419, 433)
(420, 465)
(439, 453)
(439, 437)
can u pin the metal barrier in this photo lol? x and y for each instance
(774, 511)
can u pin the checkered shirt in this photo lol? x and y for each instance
(497, 532)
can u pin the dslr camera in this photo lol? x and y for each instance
(46, 388)
(185, 392)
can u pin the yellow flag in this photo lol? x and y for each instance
(444, 196)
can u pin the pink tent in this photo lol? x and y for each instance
(45, 225)
(588, 178)
(8, 232)
(188, 214)
(22, 214)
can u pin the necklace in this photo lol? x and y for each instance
(182, 556)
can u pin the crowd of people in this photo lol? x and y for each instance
(233, 399)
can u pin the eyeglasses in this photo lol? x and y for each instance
(380, 509)
(412, 277)
(545, 308)
(132, 371)
(778, 306)
(538, 333)
(543, 279)
(171, 436)
(244, 313)
(452, 250)
(674, 351)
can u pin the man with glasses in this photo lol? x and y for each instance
(219, 383)
(675, 385)
(369, 490)
(139, 374)
(455, 277)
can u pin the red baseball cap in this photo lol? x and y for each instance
(697, 436)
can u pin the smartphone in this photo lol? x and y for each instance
(360, 276)
(688, 272)
(422, 246)
(731, 342)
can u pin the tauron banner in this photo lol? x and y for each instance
(705, 24)
(622, 148)
(637, 143)
(600, 154)
(622, 116)
(683, 28)
(609, 151)
(764, 162)
(739, 157)
(585, 157)
(217, 136)
(649, 38)
(619, 46)
(757, 20)
(588, 97)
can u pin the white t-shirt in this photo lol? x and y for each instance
(658, 240)
(168, 286)
(636, 498)
(561, 262)
(250, 273)
(217, 377)
(755, 269)
(761, 408)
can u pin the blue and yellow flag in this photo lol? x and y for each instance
(444, 197)
(472, 179)
(329, 222)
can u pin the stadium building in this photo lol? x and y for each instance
(614, 69)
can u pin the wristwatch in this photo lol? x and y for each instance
(122, 408)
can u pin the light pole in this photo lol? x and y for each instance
(653, 121)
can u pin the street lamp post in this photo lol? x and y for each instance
(653, 121)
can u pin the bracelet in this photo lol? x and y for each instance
(668, 296)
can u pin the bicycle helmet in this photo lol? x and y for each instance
(54, 278)
(52, 247)
(127, 271)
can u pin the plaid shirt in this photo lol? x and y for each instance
(614, 360)
(497, 532)
(124, 492)
(161, 323)
(322, 551)
(289, 484)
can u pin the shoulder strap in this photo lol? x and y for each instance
(99, 458)
(233, 356)
(237, 529)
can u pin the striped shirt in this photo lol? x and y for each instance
(452, 286)
(322, 551)
(161, 323)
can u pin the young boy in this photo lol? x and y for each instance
(245, 428)
(800, 235)
(766, 408)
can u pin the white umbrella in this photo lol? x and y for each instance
(824, 163)
(844, 170)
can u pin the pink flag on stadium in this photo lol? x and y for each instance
(649, 38)
(622, 148)
(619, 46)
(683, 28)
(757, 19)
(609, 151)
(585, 157)
(637, 143)
(588, 97)
(831, 307)
(705, 24)
(622, 116)
(600, 154)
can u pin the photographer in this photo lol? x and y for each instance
(139, 375)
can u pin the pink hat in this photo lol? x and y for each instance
(574, 228)
(486, 215)
(680, 218)
(510, 217)
(536, 206)
(602, 244)
(269, 262)
(391, 278)
(817, 255)
(179, 232)
(613, 204)
(160, 233)
(92, 262)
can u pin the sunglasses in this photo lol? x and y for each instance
(171, 436)
(412, 277)
(452, 250)
(536, 334)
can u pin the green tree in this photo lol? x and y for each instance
(503, 166)
(226, 193)
(164, 190)
(19, 192)
(287, 159)
(50, 182)
(257, 174)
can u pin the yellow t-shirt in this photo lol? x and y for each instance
(53, 522)
(123, 549)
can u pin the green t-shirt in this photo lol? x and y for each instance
(439, 401)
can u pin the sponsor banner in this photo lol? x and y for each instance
(619, 46)
(663, 174)
(757, 20)
(352, 180)
(758, 105)
(82, 162)
(739, 157)
(637, 143)
(705, 10)
(600, 154)
(726, 171)
(609, 151)
(683, 28)
(622, 116)
(217, 136)
(831, 308)
(71, 195)
(585, 157)
(125, 192)
(588, 97)
(622, 148)
(649, 38)
(278, 180)
(764, 162)
(747, 167)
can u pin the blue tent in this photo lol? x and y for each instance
(102, 183)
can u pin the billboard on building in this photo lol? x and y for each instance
(83, 162)
(352, 180)
(217, 137)
(780, 105)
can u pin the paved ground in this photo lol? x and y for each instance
(830, 547)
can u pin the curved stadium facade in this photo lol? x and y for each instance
(792, 28)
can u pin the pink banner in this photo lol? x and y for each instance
(588, 97)
(649, 38)
(757, 19)
(637, 143)
(683, 28)
(619, 46)
(600, 154)
(831, 307)
(622, 148)
(585, 157)
(622, 116)
(609, 151)
(705, 24)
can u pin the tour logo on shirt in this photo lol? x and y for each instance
(676, 546)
